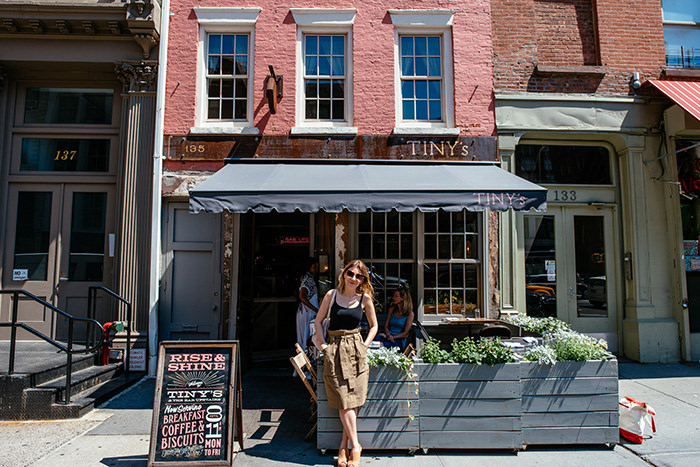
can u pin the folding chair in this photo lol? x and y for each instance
(308, 365)
(299, 362)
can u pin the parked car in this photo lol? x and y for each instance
(596, 291)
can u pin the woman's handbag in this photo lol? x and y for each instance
(636, 420)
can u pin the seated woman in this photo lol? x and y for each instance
(399, 320)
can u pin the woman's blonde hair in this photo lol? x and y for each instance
(365, 286)
(407, 306)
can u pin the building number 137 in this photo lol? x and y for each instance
(65, 155)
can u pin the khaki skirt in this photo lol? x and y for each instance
(345, 369)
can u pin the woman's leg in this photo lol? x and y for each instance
(349, 419)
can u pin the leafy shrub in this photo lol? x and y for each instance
(391, 357)
(542, 354)
(493, 352)
(465, 351)
(537, 325)
(577, 347)
(432, 353)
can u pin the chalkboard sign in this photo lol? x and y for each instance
(197, 412)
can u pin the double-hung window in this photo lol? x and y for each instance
(324, 70)
(225, 70)
(682, 33)
(324, 77)
(423, 71)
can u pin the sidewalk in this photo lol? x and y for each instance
(117, 434)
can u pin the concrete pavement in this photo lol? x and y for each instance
(117, 434)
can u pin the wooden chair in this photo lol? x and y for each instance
(299, 362)
(410, 351)
(307, 363)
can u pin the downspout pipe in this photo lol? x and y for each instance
(156, 197)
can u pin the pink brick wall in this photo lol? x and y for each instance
(373, 63)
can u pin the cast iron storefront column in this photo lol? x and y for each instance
(135, 180)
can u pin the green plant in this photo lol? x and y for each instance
(391, 357)
(577, 347)
(432, 353)
(542, 354)
(536, 325)
(465, 351)
(493, 351)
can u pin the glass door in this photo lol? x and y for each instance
(570, 268)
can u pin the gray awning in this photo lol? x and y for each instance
(332, 186)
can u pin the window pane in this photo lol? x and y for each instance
(311, 65)
(339, 45)
(338, 66)
(87, 237)
(378, 222)
(324, 109)
(430, 219)
(444, 222)
(421, 89)
(470, 276)
(311, 45)
(431, 246)
(227, 46)
(365, 219)
(434, 89)
(241, 64)
(338, 89)
(32, 234)
(64, 155)
(421, 110)
(458, 302)
(364, 246)
(63, 106)
(457, 276)
(458, 221)
(407, 46)
(435, 112)
(406, 222)
(407, 89)
(430, 274)
(421, 46)
(392, 221)
(311, 88)
(472, 251)
(443, 275)
(213, 110)
(227, 109)
(241, 109)
(421, 66)
(392, 246)
(563, 164)
(681, 10)
(227, 88)
(458, 246)
(214, 65)
(408, 110)
(434, 66)
(444, 247)
(242, 44)
(407, 66)
(429, 307)
(214, 43)
(227, 65)
(406, 246)
(338, 110)
(214, 88)
(324, 66)
(433, 46)
(378, 246)
(311, 108)
(241, 88)
(324, 88)
(324, 45)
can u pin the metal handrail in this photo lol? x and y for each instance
(92, 305)
(68, 349)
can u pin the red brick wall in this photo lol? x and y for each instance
(621, 36)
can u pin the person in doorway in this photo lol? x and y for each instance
(308, 303)
(345, 370)
(399, 320)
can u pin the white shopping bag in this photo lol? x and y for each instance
(636, 420)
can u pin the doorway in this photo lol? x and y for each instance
(61, 245)
(571, 270)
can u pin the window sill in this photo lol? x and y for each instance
(680, 73)
(417, 131)
(323, 131)
(587, 70)
(224, 130)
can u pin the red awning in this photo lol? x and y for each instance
(684, 93)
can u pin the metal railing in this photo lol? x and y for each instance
(682, 57)
(68, 348)
(92, 306)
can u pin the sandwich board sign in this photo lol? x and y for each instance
(197, 411)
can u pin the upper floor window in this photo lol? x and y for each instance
(682, 33)
(68, 106)
(227, 76)
(565, 165)
(325, 78)
(225, 70)
(421, 78)
(423, 71)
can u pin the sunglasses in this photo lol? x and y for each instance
(352, 275)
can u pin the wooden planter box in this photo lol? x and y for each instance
(570, 403)
(383, 422)
(465, 406)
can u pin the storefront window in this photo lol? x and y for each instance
(450, 263)
(68, 106)
(564, 165)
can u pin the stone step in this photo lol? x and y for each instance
(80, 362)
(83, 379)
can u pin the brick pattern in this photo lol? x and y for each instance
(621, 36)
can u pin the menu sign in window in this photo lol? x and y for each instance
(197, 399)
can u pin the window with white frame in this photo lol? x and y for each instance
(225, 70)
(228, 77)
(324, 77)
(421, 77)
(682, 33)
(324, 70)
(423, 71)
(437, 256)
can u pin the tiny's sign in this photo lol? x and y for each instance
(20, 274)
(197, 412)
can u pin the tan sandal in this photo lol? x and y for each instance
(342, 457)
(354, 460)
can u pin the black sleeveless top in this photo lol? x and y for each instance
(345, 318)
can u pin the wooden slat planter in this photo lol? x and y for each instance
(383, 422)
(570, 403)
(466, 406)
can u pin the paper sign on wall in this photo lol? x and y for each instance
(550, 267)
(20, 274)
(137, 360)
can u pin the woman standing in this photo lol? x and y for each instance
(345, 371)
(308, 303)
(399, 320)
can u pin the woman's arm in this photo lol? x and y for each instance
(407, 328)
(303, 294)
(371, 318)
(388, 318)
(318, 322)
